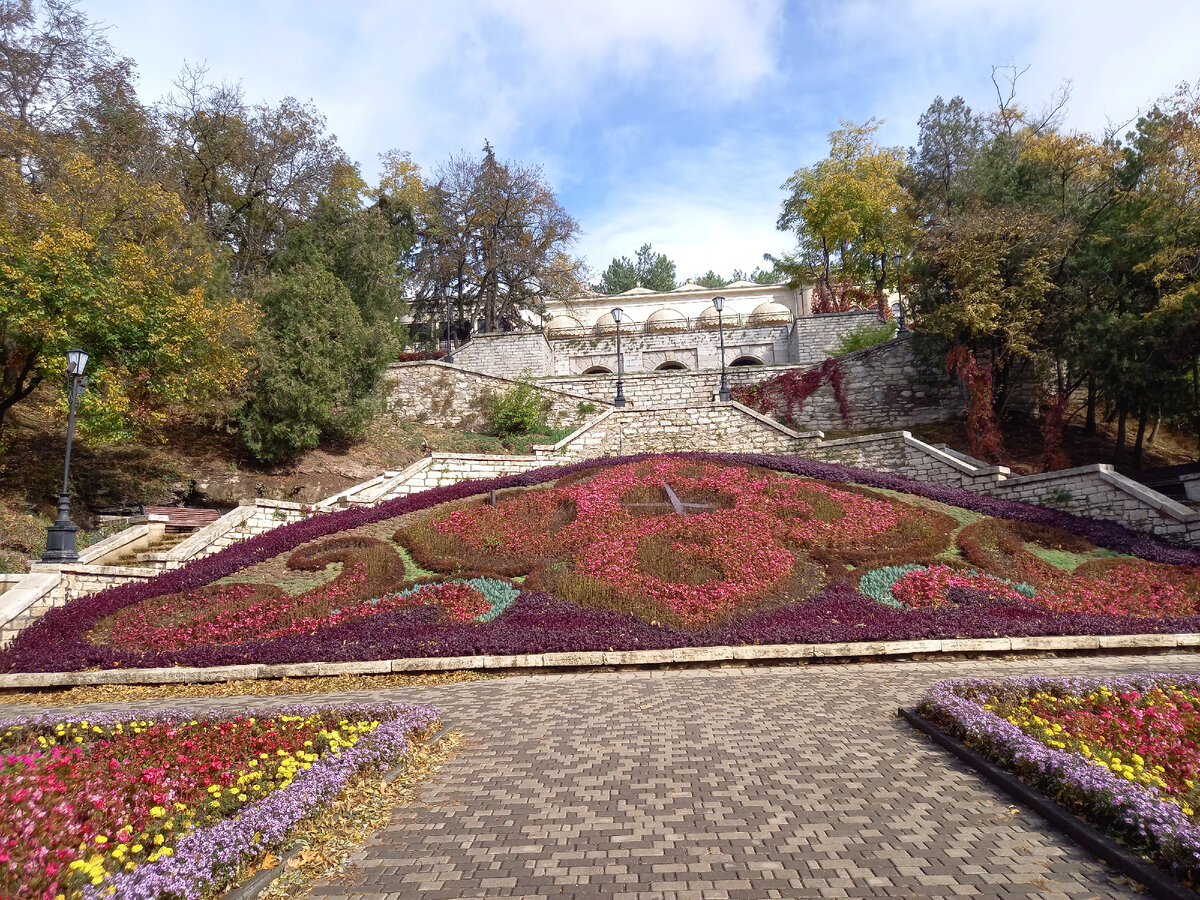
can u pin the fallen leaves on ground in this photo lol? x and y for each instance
(125, 693)
(343, 826)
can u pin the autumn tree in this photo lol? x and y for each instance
(651, 270)
(93, 252)
(1005, 203)
(247, 172)
(850, 214)
(494, 242)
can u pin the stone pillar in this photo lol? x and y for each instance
(804, 301)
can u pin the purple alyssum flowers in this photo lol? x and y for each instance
(1135, 812)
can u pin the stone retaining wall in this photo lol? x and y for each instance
(815, 337)
(1096, 491)
(450, 468)
(694, 349)
(730, 426)
(48, 586)
(513, 354)
(886, 386)
(804, 341)
(434, 393)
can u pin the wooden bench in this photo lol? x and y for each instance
(181, 516)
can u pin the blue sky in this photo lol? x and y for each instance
(673, 123)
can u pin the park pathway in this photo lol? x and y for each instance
(741, 782)
(719, 783)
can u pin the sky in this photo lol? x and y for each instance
(669, 122)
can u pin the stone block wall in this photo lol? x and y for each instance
(813, 337)
(510, 355)
(434, 393)
(1096, 491)
(729, 427)
(1101, 492)
(694, 349)
(41, 591)
(886, 387)
(451, 468)
(804, 341)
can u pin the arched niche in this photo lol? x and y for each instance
(746, 361)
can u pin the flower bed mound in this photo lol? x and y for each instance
(162, 803)
(643, 552)
(1123, 752)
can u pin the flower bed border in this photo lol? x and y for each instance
(229, 843)
(60, 632)
(1159, 883)
(587, 659)
(1145, 812)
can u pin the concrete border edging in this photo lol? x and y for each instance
(600, 658)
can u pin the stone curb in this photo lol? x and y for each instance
(1159, 883)
(597, 658)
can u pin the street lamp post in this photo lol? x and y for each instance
(619, 400)
(60, 537)
(900, 326)
(723, 393)
(449, 334)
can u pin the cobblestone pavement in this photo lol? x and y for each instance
(718, 783)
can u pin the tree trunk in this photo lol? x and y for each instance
(1154, 428)
(1139, 443)
(1119, 451)
(1089, 425)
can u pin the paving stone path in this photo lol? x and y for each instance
(718, 783)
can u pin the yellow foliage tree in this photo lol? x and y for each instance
(98, 259)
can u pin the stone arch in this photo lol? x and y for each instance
(597, 370)
(671, 365)
(746, 361)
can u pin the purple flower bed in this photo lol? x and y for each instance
(1133, 812)
(539, 623)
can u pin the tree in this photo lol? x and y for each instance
(318, 365)
(100, 261)
(93, 252)
(711, 279)
(494, 241)
(331, 306)
(653, 271)
(248, 173)
(850, 213)
(1006, 203)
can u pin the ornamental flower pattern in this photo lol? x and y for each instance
(541, 621)
(745, 537)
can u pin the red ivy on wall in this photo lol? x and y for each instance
(1054, 417)
(788, 391)
(982, 433)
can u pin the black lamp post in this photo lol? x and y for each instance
(449, 334)
(60, 537)
(900, 326)
(619, 400)
(719, 303)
